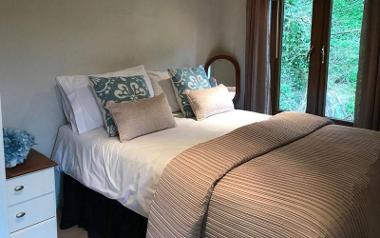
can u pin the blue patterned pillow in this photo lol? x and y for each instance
(184, 79)
(213, 82)
(118, 89)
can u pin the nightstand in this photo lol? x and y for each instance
(30, 196)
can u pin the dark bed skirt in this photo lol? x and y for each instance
(100, 216)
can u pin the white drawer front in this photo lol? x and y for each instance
(46, 229)
(29, 186)
(31, 212)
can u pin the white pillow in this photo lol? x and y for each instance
(163, 79)
(85, 109)
(67, 110)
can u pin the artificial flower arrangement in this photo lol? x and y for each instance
(17, 144)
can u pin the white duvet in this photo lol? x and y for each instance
(129, 172)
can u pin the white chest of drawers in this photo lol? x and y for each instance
(30, 196)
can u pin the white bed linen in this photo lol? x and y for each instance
(129, 172)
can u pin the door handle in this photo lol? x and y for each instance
(323, 54)
(308, 56)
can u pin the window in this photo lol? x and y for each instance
(315, 56)
(296, 38)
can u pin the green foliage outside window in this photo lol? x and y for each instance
(295, 48)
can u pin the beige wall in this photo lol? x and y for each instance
(41, 39)
(234, 35)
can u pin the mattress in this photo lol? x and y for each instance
(129, 172)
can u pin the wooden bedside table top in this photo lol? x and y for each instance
(35, 162)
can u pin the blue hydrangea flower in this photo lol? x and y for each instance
(17, 144)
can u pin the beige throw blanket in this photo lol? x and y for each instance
(295, 175)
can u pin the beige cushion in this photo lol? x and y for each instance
(161, 82)
(207, 102)
(134, 119)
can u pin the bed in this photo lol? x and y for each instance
(216, 176)
(129, 172)
(219, 172)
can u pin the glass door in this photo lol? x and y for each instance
(346, 24)
(295, 55)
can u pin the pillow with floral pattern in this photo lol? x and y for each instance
(185, 79)
(117, 90)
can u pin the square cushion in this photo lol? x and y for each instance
(81, 107)
(117, 90)
(184, 79)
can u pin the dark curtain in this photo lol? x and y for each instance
(368, 90)
(257, 78)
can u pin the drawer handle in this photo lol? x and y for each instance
(20, 214)
(19, 188)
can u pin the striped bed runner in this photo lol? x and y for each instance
(295, 175)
